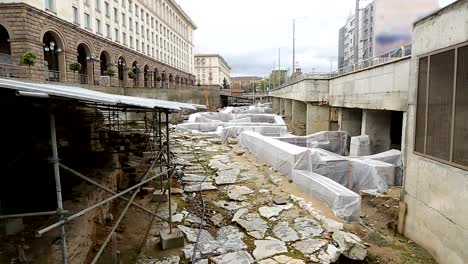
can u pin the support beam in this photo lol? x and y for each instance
(288, 108)
(318, 118)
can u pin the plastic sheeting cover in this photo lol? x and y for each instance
(393, 157)
(334, 141)
(330, 165)
(371, 175)
(344, 203)
(281, 156)
(269, 131)
(360, 146)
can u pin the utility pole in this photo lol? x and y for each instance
(356, 34)
(294, 47)
(279, 66)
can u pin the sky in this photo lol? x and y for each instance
(250, 34)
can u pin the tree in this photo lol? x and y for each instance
(75, 67)
(111, 73)
(131, 75)
(29, 59)
(225, 84)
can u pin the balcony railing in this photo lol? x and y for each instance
(44, 75)
(396, 54)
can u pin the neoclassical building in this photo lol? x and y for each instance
(211, 69)
(146, 43)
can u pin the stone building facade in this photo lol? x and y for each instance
(212, 69)
(58, 44)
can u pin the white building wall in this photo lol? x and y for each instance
(167, 34)
(214, 64)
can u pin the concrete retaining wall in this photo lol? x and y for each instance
(436, 194)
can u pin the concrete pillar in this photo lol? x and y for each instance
(299, 112)
(350, 120)
(288, 108)
(377, 124)
(281, 112)
(318, 118)
(276, 105)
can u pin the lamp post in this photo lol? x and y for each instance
(91, 59)
(52, 50)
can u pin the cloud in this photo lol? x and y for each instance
(248, 33)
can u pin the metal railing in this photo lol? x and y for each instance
(45, 75)
(393, 55)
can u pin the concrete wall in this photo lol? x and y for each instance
(318, 118)
(307, 90)
(436, 194)
(276, 107)
(377, 125)
(350, 120)
(384, 87)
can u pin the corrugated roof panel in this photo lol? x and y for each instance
(83, 94)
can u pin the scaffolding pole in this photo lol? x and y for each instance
(58, 188)
(79, 175)
(84, 211)
(30, 214)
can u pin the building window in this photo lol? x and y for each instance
(87, 21)
(137, 45)
(76, 16)
(131, 42)
(107, 9)
(130, 23)
(98, 27)
(86, 2)
(136, 10)
(98, 5)
(130, 6)
(50, 5)
(116, 34)
(442, 106)
(124, 38)
(123, 20)
(108, 32)
(137, 28)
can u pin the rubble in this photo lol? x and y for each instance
(350, 245)
(206, 186)
(307, 227)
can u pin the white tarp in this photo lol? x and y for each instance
(344, 203)
(393, 157)
(330, 165)
(334, 141)
(371, 175)
(281, 156)
(269, 131)
(360, 146)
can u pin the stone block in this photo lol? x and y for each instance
(171, 240)
(11, 226)
(159, 196)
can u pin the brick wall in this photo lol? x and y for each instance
(27, 26)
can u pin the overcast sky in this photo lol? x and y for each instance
(248, 33)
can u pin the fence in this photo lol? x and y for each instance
(37, 74)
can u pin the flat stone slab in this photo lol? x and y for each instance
(280, 201)
(268, 248)
(285, 233)
(197, 187)
(225, 180)
(238, 193)
(230, 205)
(239, 213)
(191, 234)
(195, 178)
(307, 227)
(310, 247)
(232, 172)
(217, 165)
(281, 259)
(240, 257)
(254, 225)
(273, 211)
